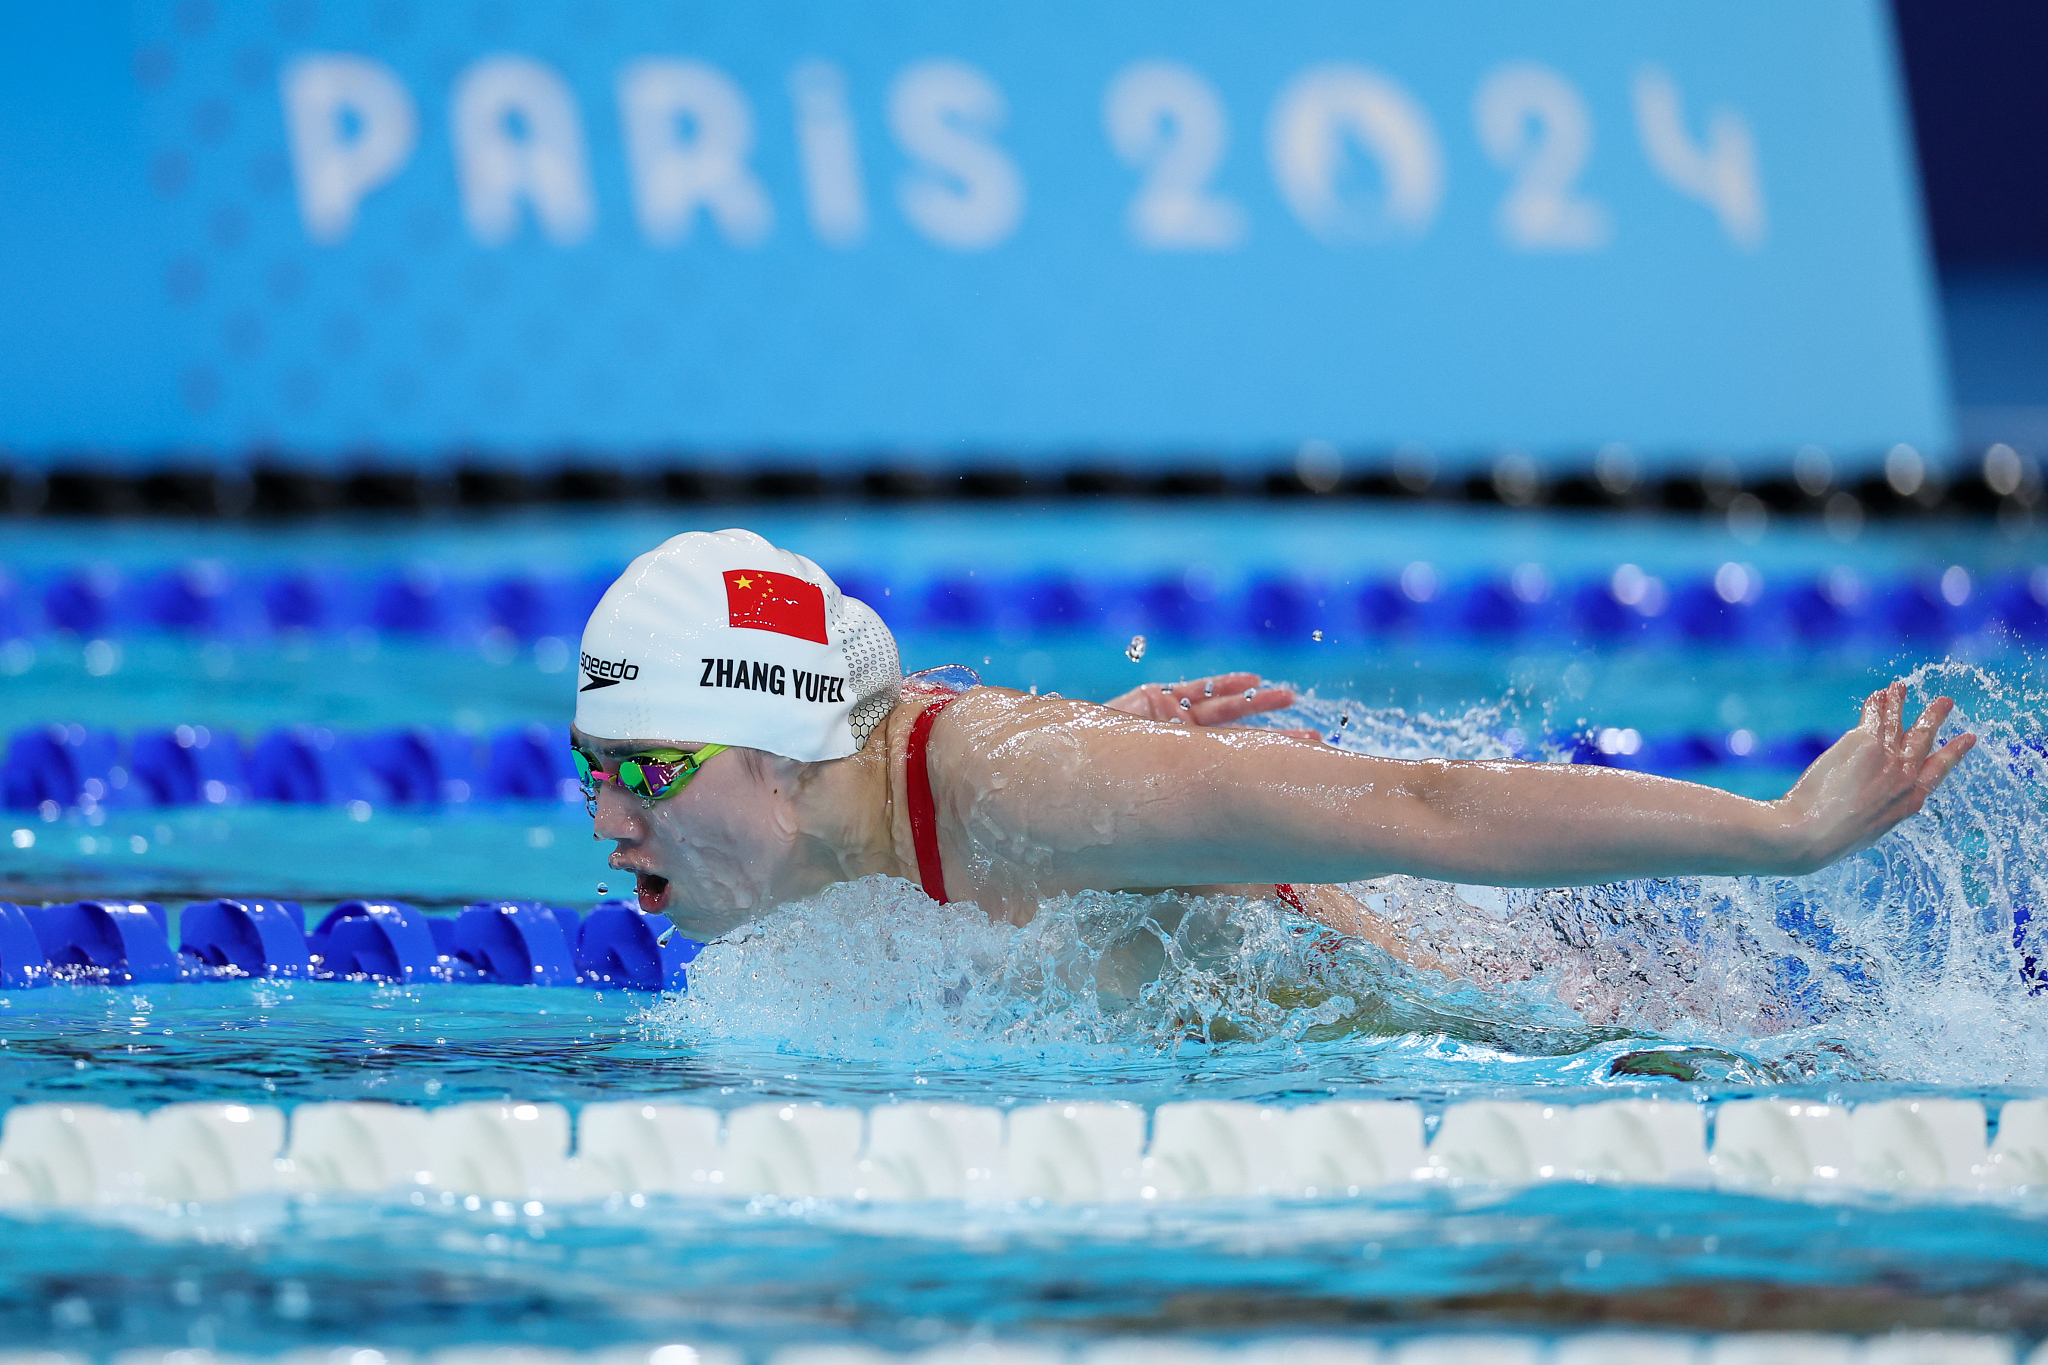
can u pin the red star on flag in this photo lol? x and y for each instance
(756, 599)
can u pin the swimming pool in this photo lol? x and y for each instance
(1897, 976)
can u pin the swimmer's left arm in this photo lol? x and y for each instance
(1557, 824)
(1117, 803)
(1538, 824)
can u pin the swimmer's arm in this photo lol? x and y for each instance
(1556, 824)
(1181, 807)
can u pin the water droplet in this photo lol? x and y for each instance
(603, 890)
(1186, 705)
(1316, 635)
(1136, 649)
(1250, 692)
(1209, 688)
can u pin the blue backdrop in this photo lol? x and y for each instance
(1041, 229)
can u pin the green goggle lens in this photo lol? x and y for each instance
(649, 776)
(644, 779)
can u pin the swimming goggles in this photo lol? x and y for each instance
(650, 776)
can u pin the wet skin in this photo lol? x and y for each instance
(1041, 796)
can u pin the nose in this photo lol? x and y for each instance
(618, 814)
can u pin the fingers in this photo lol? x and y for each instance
(1162, 701)
(1219, 686)
(1920, 739)
(1882, 715)
(1942, 761)
(1216, 700)
(1223, 709)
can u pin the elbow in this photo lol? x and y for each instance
(1434, 788)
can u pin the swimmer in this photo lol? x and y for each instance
(746, 738)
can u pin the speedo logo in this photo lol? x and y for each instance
(772, 678)
(607, 673)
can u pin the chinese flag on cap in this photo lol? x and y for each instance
(758, 600)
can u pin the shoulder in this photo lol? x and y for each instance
(998, 730)
(1008, 744)
(988, 720)
(979, 735)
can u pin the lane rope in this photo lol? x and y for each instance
(528, 1156)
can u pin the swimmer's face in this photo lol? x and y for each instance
(714, 854)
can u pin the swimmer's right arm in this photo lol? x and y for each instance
(1112, 803)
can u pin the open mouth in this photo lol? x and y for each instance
(652, 891)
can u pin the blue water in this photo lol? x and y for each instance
(1893, 973)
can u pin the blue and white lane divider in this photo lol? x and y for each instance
(525, 1157)
(1611, 1346)
(1732, 604)
(513, 943)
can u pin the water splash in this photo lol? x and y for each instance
(1912, 962)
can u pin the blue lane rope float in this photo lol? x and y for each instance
(1734, 605)
(49, 769)
(512, 943)
(74, 765)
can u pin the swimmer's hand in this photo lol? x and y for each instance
(1220, 700)
(1873, 778)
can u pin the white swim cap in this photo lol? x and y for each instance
(720, 637)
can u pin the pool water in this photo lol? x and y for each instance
(1896, 973)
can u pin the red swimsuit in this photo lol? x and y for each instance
(924, 816)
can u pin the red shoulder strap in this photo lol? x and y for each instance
(1286, 892)
(924, 815)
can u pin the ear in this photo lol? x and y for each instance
(782, 781)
